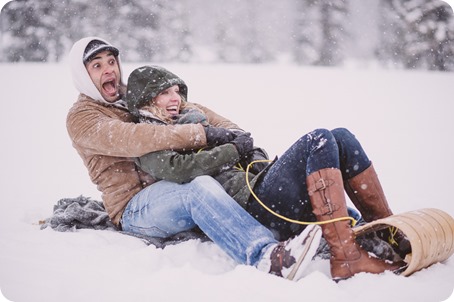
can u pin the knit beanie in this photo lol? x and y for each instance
(146, 82)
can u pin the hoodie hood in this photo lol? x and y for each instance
(146, 82)
(80, 76)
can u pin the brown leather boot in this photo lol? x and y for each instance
(366, 193)
(327, 197)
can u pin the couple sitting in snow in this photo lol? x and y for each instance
(165, 165)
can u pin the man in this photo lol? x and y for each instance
(103, 133)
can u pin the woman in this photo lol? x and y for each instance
(305, 183)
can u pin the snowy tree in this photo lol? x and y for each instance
(320, 31)
(241, 32)
(307, 36)
(136, 30)
(333, 18)
(174, 41)
(256, 48)
(46, 30)
(418, 34)
(228, 38)
(390, 49)
(24, 44)
(129, 24)
(412, 33)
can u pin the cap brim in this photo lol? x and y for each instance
(92, 53)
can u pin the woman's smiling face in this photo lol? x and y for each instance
(169, 100)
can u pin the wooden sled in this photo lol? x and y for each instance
(430, 232)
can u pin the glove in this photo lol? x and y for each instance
(244, 143)
(218, 136)
(192, 116)
(253, 155)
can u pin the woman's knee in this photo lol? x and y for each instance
(342, 133)
(319, 132)
(320, 138)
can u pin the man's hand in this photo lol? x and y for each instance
(244, 144)
(218, 136)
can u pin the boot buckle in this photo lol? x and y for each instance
(320, 185)
(330, 209)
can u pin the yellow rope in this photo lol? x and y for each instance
(392, 233)
(281, 216)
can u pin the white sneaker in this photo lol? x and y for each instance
(289, 259)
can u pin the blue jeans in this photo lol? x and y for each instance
(283, 187)
(166, 208)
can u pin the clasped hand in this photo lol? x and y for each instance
(217, 136)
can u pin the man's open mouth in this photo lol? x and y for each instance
(110, 87)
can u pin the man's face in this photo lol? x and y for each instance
(105, 74)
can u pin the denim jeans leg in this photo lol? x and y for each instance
(283, 187)
(353, 159)
(166, 208)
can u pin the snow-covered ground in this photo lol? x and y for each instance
(404, 120)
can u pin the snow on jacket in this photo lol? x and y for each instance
(108, 141)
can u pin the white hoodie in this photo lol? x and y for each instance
(81, 78)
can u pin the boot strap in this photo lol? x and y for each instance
(320, 185)
(328, 207)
